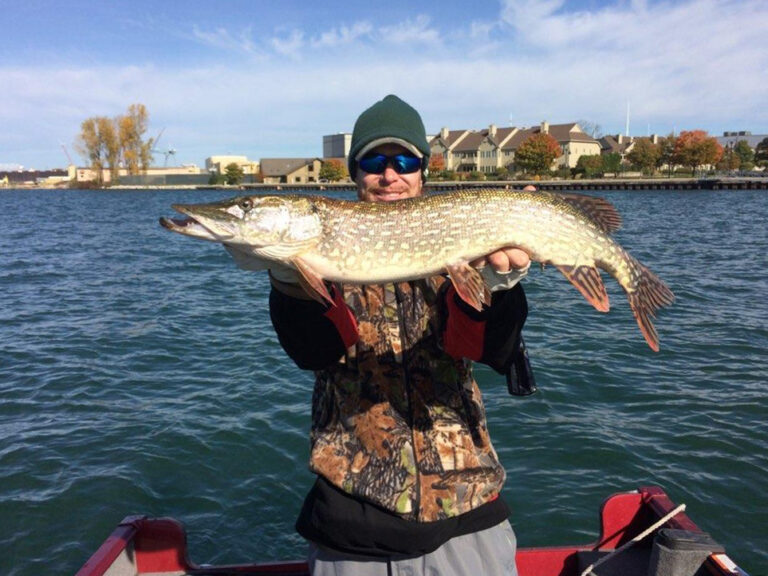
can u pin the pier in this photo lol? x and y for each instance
(550, 185)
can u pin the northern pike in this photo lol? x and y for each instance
(336, 240)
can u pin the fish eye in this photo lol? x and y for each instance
(246, 204)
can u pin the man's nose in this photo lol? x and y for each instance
(389, 172)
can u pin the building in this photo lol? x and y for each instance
(290, 170)
(218, 164)
(172, 175)
(730, 139)
(337, 145)
(493, 148)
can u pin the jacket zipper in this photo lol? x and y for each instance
(407, 389)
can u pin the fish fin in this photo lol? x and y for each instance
(650, 295)
(312, 282)
(587, 280)
(469, 285)
(599, 211)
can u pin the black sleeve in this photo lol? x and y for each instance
(504, 349)
(308, 337)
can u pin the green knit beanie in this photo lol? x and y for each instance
(389, 121)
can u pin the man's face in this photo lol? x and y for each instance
(389, 185)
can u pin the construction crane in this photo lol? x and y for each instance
(63, 147)
(168, 152)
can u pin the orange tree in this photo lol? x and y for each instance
(696, 148)
(537, 153)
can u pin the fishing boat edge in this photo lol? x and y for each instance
(641, 532)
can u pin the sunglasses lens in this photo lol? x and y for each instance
(402, 163)
(373, 163)
(406, 164)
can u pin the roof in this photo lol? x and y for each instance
(284, 166)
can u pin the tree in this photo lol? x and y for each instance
(333, 170)
(537, 153)
(667, 153)
(729, 161)
(761, 151)
(744, 153)
(105, 142)
(436, 163)
(644, 155)
(612, 163)
(590, 165)
(98, 143)
(233, 174)
(696, 148)
(592, 128)
(136, 153)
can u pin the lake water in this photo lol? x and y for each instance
(139, 374)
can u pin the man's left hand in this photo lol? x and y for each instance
(504, 260)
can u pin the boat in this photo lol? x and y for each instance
(642, 533)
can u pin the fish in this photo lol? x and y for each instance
(335, 240)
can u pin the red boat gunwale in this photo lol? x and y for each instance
(142, 545)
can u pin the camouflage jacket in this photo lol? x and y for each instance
(396, 420)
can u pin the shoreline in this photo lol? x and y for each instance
(595, 184)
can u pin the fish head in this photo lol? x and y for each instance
(271, 227)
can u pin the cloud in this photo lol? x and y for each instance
(290, 45)
(223, 39)
(411, 31)
(344, 35)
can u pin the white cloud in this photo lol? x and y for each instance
(223, 39)
(411, 31)
(289, 46)
(344, 35)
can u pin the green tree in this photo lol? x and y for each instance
(537, 153)
(612, 163)
(644, 155)
(667, 153)
(333, 170)
(761, 152)
(589, 165)
(744, 153)
(233, 174)
(696, 148)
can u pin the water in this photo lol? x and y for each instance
(139, 374)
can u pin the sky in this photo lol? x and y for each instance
(270, 78)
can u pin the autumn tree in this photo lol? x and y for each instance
(729, 160)
(644, 155)
(135, 151)
(333, 170)
(696, 148)
(537, 153)
(99, 144)
(106, 142)
(436, 163)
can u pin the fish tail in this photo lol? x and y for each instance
(649, 295)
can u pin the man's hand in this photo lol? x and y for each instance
(504, 260)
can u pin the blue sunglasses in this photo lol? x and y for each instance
(377, 163)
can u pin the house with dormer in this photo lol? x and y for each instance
(493, 148)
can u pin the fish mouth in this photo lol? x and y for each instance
(203, 222)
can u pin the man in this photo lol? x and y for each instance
(407, 477)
